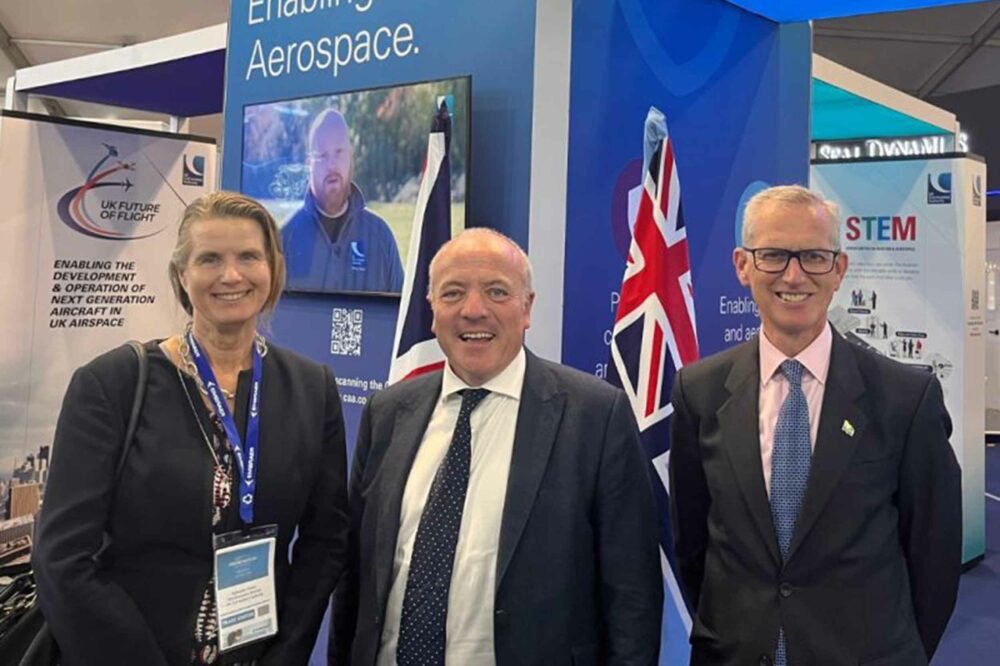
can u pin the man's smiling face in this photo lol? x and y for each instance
(481, 306)
(793, 304)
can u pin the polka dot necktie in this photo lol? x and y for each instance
(425, 602)
(790, 461)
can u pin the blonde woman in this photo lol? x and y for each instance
(239, 443)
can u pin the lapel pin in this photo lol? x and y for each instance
(847, 428)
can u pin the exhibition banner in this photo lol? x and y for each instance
(914, 232)
(89, 215)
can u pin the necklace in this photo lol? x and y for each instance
(189, 367)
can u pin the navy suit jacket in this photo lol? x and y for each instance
(578, 566)
(872, 572)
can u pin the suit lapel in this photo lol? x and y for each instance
(739, 421)
(538, 420)
(412, 418)
(835, 441)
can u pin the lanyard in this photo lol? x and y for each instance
(247, 465)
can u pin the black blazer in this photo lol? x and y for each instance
(872, 574)
(139, 605)
(578, 566)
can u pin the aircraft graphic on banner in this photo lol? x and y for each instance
(72, 206)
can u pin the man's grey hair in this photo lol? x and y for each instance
(794, 195)
(484, 234)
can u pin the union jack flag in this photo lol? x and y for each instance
(654, 333)
(415, 349)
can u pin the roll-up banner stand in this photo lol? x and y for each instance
(915, 233)
(89, 216)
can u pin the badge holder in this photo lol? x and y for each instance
(244, 586)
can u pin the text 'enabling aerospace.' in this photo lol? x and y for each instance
(327, 53)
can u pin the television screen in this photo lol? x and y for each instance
(341, 173)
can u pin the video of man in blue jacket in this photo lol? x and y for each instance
(341, 173)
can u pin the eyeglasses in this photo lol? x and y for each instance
(775, 259)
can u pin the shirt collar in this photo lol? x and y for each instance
(815, 357)
(509, 382)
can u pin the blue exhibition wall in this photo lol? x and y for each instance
(319, 48)
(734, 88)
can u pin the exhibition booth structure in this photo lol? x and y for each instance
(914, 230)
(913, 217)
(855, 117)
(181, 76)
(571, 124)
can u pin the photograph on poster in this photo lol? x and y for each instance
(341, 173)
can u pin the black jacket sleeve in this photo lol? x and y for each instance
(344, 616)
(628, 544)
(689, 496)
(319, 553)
(86, 611)
(930, 516)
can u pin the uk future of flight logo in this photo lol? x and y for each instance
(119, 217)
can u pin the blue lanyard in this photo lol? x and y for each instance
(248, 466)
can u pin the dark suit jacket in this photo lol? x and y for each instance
(873, 569)
(578, 567)
(138, 606)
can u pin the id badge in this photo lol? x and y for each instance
(244, 586)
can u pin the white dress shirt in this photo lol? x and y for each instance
(473, 579)
(774, 390)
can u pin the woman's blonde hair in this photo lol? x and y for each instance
(227, 206)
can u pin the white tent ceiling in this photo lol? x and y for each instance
(925, 52)
(33, 32)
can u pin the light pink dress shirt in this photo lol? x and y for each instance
(774, 389)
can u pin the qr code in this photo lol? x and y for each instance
(345, 332)
(263, 610)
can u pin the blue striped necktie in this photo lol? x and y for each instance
(790, 461)
(424, 616)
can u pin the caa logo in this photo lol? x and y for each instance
(194, 171)
(939, 189)
(977, 191)
(359, 261)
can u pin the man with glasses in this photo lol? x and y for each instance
(334, 242)
(816, 498)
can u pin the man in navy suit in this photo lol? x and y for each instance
(816, 498)
(501, 508)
